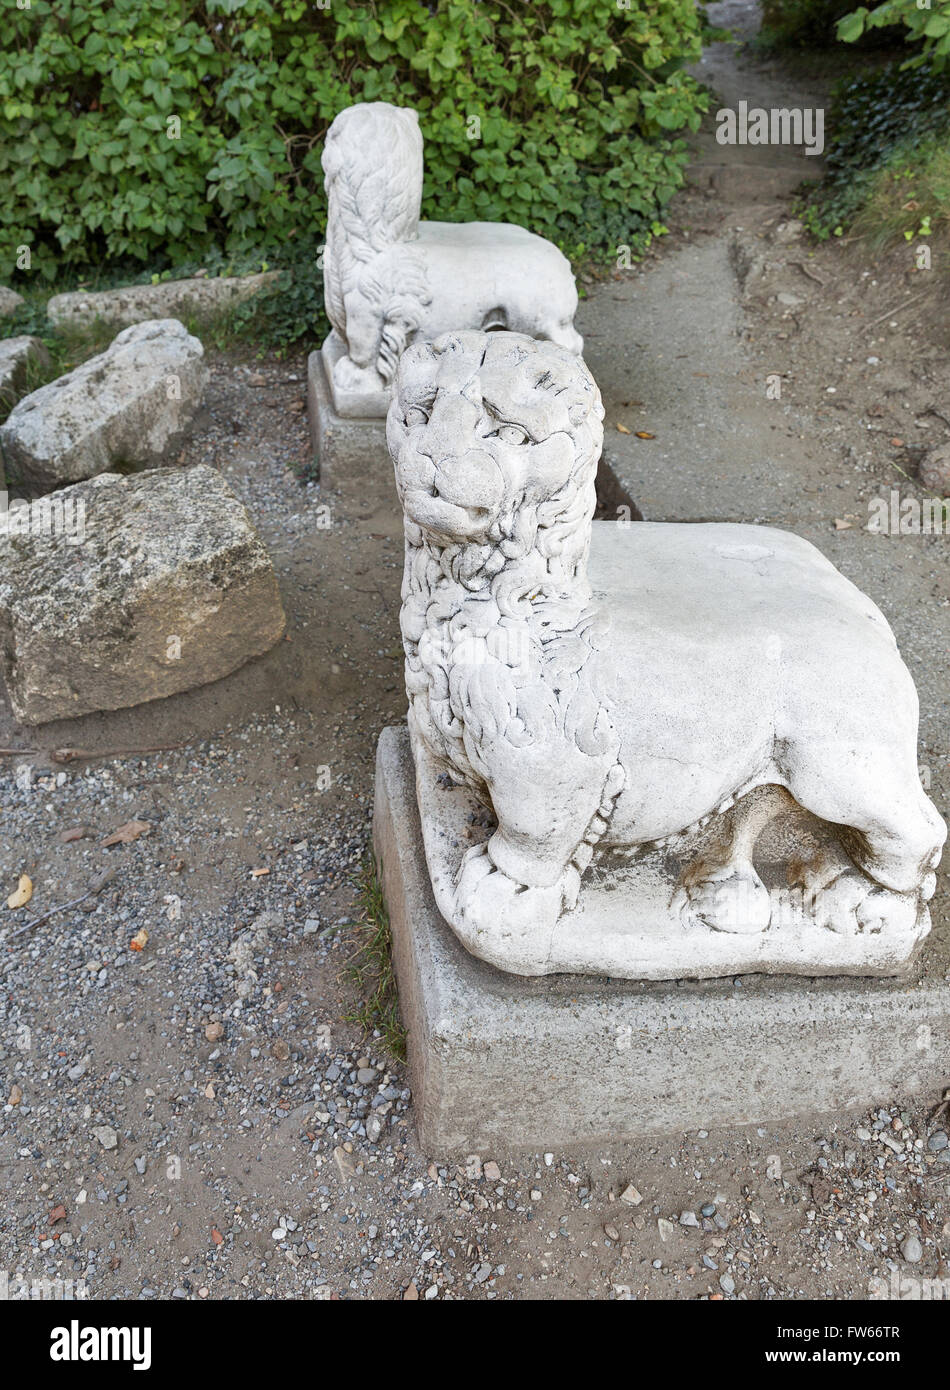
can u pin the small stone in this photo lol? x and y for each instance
(911, 1249)
(611, 1232)
(937, 1141)
(934, 470)
(688, 1218)
(788, 231)
(16, 1095)
(16, 354)
(10, 301)
(548, 1160)
(727, 1283)
(366, 1075)
(214, 1031)
(106, 1135)
(709, 1210)
(665, 1228)
(140, 1166)
(492, 1172)
(631, 1196)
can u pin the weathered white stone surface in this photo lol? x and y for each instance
(15, 356)
(9, 300)
(129, 405)
(500, 1063)
(697, 678)
(126, 589)
(390, 278)
(200, 297)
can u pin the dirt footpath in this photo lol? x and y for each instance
(198, 1119)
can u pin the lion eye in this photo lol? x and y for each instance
(512, 434)
(415, 415)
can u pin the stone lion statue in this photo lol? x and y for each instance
(702, 675)
(389, 277)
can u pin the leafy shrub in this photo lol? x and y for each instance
(876, 121)
(163, 130)
(928, 26)
(808, 23)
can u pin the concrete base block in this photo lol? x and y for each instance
(351, 452)
(501, 1062)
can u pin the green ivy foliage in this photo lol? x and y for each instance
(161, 130)
(877, 120)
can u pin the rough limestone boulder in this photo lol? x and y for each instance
(9, 300)
(15, 357)
(126, 589)
(131, 405)
(201, 298)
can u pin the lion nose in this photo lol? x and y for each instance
(472, 479)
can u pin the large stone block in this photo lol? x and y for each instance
(200, 297)
(127, 589)
(130, 405)
(500, 1061)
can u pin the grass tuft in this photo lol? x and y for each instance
(371, 969)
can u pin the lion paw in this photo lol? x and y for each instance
(347, 376)
(725, 895)
(504, 922)
(840, 898)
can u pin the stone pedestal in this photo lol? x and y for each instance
(499, 1061)
(350, 450)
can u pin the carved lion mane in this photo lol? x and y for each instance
(496, 439)
(372, 162)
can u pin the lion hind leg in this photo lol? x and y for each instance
(891, 838)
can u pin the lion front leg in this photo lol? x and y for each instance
(510, 892)
(357, 371)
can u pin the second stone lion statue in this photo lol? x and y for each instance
(389, 277)
(702, 675)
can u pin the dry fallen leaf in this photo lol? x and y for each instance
(23, 893)
(645, 434)
(127, 833)
(139, 940)
(623, 429)
(15, 1096)
(259, 873)
(77, 832)
(216, 1236)
(57, 1214)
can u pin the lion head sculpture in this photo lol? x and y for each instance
(372, 163)
(495, 439)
